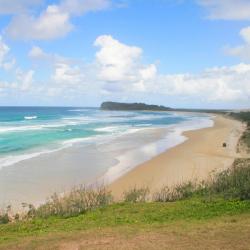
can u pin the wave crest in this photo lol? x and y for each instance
(30, 117)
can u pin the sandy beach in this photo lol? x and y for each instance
(195, 159)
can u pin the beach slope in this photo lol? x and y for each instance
(195, 159)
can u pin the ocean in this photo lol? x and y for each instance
(54, 148)
(29, 131)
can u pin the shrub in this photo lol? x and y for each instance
(78, 201)
(233, 182)
(4, 218)
(136, 195)
(165, 195)
(4, 215)
(178, 192)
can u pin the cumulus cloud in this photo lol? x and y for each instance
(227, 9)
(53, 22)
(4, 50)
(118, 70)
(23, 83)
(222, 84)
(242, 51)
(65, 70)
(148, 72)
(67, 74)
(5, 61)
(245, 34)
(24, 79)
(37, 53)
(117, 61)
(121, 69)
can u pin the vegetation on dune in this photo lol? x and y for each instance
(78, 201)
(231, 184)
(136, 195)
(244, 117)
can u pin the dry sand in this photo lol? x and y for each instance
(195, 159)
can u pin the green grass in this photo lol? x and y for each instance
(126, 214)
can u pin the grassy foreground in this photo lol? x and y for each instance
(227, 222)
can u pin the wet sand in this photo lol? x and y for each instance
(33, 180)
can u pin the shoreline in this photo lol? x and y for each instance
(192, 160)
(172, 137)
(34, 180)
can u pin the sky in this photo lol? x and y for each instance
(177, 53)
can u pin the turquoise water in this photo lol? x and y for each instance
(29, 130)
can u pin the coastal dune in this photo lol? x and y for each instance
(193, 160)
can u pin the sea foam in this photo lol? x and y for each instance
(30, 117)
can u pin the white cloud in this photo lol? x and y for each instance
(227, 9)
(37, 53)
(117, 61)
(67, 74)
(223, 84)
(17, 6)
(149, 72)
(245, 34)
(121, 70)
(241, 51)
(51, 24)
(5, 61)
(4, 50)
(24, 79)
(22, 84)
(79, 7)
(54, 22)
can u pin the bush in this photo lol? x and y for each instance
(78, 201)
(233, 182)
(136, 195)
(179, 192)
(165, 195)
(4, 218)
(4, 215)
(244, 117)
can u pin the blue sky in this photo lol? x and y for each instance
(82, 52)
